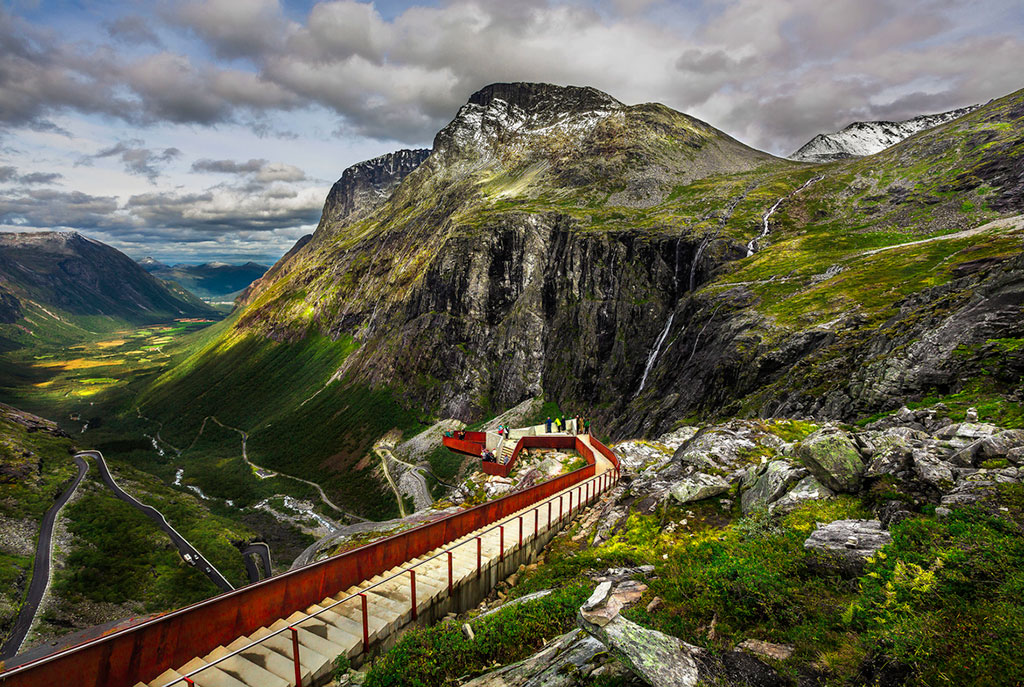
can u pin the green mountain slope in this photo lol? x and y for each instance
(614, 259)
(61, 285)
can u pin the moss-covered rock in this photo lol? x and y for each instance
(832, 456)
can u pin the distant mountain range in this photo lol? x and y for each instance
(218, 281)
(867, 138)
(55, 280)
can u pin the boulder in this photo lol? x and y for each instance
(807, 489)
(768, 482)
(932, 470)
(893, 457)
(831, 455)
(550, 467)
(559, 664)
(698, 487)
(664, 661)
(844, 545)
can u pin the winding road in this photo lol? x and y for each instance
(41, 569)
(184, 547)
(274, 473)
(261, 549)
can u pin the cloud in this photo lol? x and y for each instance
(233, 28)
(136, 158)
(402, 77)
(9, 175)
(132, 30)
(259, 173)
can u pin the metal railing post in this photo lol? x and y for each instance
(549, 515)
(536, 521)
(520, 531)
(559, 510)
(412, 585)
(501, 542)
(366, 625)
(449, 573)
(295, 656)
(479, 556)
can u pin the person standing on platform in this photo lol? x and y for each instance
(548, 423)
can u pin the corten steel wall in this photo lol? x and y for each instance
(606, 452)
(470, 448)
(142, 652)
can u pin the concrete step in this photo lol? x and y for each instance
(245, 671)
(322, 628)
(266, 658)
(310, 640)
(310, 662)
(210, 677)
(165, 677)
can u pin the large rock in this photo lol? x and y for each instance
(767, 483)
(698, 487)
(664, 661)
(990, 447)
(807, 489)
(831, 455)
(844, 545)
(558, 664)
(931, 469)
(891, 455)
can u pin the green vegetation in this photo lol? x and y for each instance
(942, 604)
(441, 655)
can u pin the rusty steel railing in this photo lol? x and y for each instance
(142, 652)
(607, 479)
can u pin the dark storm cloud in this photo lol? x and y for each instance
(136, 158)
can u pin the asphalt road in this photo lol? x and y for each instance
(157, 517)
(41, 569)
(262, 550)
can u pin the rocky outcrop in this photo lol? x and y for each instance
(844, 545)
(365, 185)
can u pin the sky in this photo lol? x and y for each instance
(200, 131)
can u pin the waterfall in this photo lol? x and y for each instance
(654, 353)
(765, 229)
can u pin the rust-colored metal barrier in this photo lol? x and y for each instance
(141, 653)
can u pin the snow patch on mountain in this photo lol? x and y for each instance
(867, 138)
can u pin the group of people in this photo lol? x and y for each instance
(460, 434)
(560, 424)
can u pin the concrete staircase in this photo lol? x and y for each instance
(337, 628)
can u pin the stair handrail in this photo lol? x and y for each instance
(186, 678)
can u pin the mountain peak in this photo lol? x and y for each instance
(867, 138)
(520, 109)
(539, 96)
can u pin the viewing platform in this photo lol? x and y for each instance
(507, 448)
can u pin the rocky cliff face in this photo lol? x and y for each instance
(561, 243)
(366, 185)
(867, 138)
